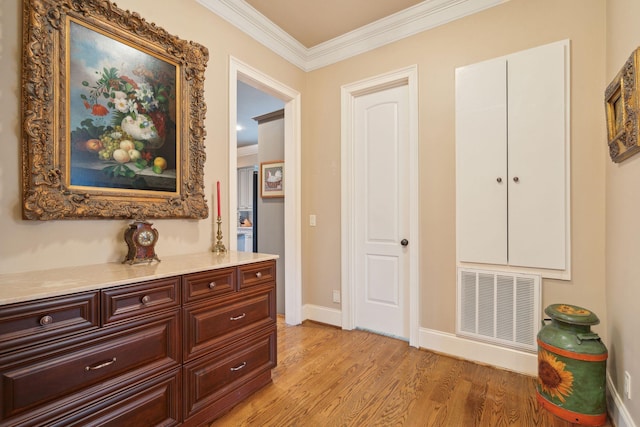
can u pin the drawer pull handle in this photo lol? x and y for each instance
(146, 299)
(238, 317)
(240, 366)
(100, 365)
(46, 320)
(259, 274)
(212, 285)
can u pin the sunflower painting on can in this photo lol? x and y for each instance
(554, 379)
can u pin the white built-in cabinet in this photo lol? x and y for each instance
(512, 159)
(245, 187)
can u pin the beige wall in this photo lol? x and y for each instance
(26, 245)
(516, 25)
(623, 239)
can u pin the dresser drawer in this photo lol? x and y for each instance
(152, 403)
(256, 274)
(208, 284)
(210, 326)
(56, 379)
(215, 379)
(127, 302)
(35, 322)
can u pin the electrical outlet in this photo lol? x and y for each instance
(627, 385)
(336, 296)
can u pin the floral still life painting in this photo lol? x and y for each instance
(122, 116)
(113, 113)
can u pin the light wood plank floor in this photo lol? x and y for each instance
(329, 377)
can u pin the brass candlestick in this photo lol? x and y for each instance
(219, 247)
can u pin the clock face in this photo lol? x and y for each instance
(146, 238)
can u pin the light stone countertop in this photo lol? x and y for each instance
(32, 285)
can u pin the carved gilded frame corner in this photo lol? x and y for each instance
(621, 105)
(114, 127)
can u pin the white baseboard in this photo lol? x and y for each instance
(617, 411)
(329, 316)
(501, 357)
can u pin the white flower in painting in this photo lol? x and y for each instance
(117, 94)
(144, 95)
(132, 106)
(121, 105)
(120, 101)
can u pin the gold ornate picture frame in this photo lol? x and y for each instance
(112, 115)
(621, 106)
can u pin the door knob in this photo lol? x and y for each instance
(516, 179)
(404, 242)
(499, 179)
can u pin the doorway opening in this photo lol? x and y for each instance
(247, 75)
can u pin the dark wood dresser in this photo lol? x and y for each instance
(180, 349)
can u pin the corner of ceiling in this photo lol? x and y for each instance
(421, 17)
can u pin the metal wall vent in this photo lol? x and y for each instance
(499, 307)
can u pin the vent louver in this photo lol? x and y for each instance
(502, 308)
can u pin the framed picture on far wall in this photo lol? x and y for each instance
(272, 179)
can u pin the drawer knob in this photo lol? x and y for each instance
(212, 285)
(240, 366)
(259, 274)
(46, 320)
(100, 365)
(238, 317)
(146, 299)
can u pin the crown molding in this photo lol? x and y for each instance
(248, 150)
(256, 25)
(423, 16)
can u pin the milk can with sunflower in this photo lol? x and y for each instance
(572, 365)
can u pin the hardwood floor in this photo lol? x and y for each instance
(329, 377)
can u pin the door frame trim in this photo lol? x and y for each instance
(405, 76)
(239, 70)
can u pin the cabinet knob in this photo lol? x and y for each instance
(146, 299)
(212, 285)
(499, 179)
(258, 274)
(516, 179)
(46, 320)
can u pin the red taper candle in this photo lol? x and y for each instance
(218, 198)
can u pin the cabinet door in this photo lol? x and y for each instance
(481, 147)
(537, 157)
(512, 159)
(245, 188)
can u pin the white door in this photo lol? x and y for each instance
(381, 152)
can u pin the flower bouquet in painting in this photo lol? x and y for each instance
(125, 135)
